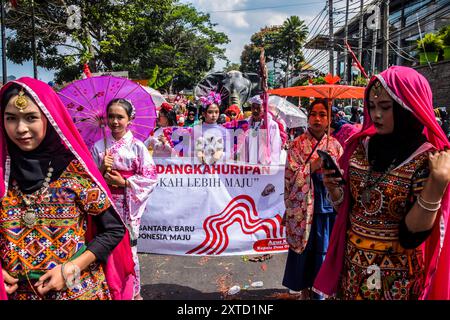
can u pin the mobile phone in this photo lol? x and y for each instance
(329, 164)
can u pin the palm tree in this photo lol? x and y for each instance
(292, 36)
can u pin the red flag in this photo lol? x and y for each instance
(358, 64)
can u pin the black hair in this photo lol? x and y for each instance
(125, 104)
(405, 121)
(170, 115)
(323, 102)
(205, 108)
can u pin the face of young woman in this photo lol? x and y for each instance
(26, 129)
(318, 119)
(381, 110)
(162, 120)
(212, 114)
(118, 120)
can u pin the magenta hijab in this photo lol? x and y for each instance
(412, 91)
(119, 269)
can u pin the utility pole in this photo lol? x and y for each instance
(330, 27)
(33, 44)
(385, 55)
(375, 37)
(400, 42)
(374, 49)
(286, 76)
(346, 67)
(4, 70)
(361, 32)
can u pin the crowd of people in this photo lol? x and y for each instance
(372, 228)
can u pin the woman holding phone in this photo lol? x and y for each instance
(389, 239)
(309, 216)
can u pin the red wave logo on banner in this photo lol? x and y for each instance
(241, 210)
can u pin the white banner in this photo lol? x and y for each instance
(221, 209)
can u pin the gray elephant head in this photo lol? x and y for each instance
(235, 87)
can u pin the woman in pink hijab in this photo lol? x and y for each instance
(389, 240)
(60, 235)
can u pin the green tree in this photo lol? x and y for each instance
(187, 46)
(360, 81)
(133, 35)
(159, 78)
(292, 37)
(231, 67)
(267, 37)
(283, 45)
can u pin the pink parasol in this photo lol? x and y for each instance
(86, 101)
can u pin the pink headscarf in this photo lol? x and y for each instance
(3, 295)
(119, 269)
(412, 91)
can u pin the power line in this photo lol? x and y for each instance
(264, 8)
(316, 18)
(404, 57)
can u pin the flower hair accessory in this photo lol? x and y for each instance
(166, 106)
(212, 97)
(133, 108)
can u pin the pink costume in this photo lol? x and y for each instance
(133, 161)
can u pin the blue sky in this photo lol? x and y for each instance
(26, 70)
(239, 19)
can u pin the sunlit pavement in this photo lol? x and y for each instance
(168, 277)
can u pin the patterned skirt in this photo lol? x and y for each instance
(92, 286)
(380, 270)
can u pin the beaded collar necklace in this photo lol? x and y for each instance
(32, 200)
(366, 195)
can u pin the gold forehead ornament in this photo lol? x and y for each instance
(21, 102)
(377, 89)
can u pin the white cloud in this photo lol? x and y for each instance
(216, 7)
(240, 25)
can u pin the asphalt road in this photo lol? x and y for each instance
(167, 277)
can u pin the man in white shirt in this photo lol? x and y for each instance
(256, 141)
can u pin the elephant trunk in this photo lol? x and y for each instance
(234, 99)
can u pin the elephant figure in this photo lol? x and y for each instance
(234, 86)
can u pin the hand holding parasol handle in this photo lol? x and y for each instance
(108, 161)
